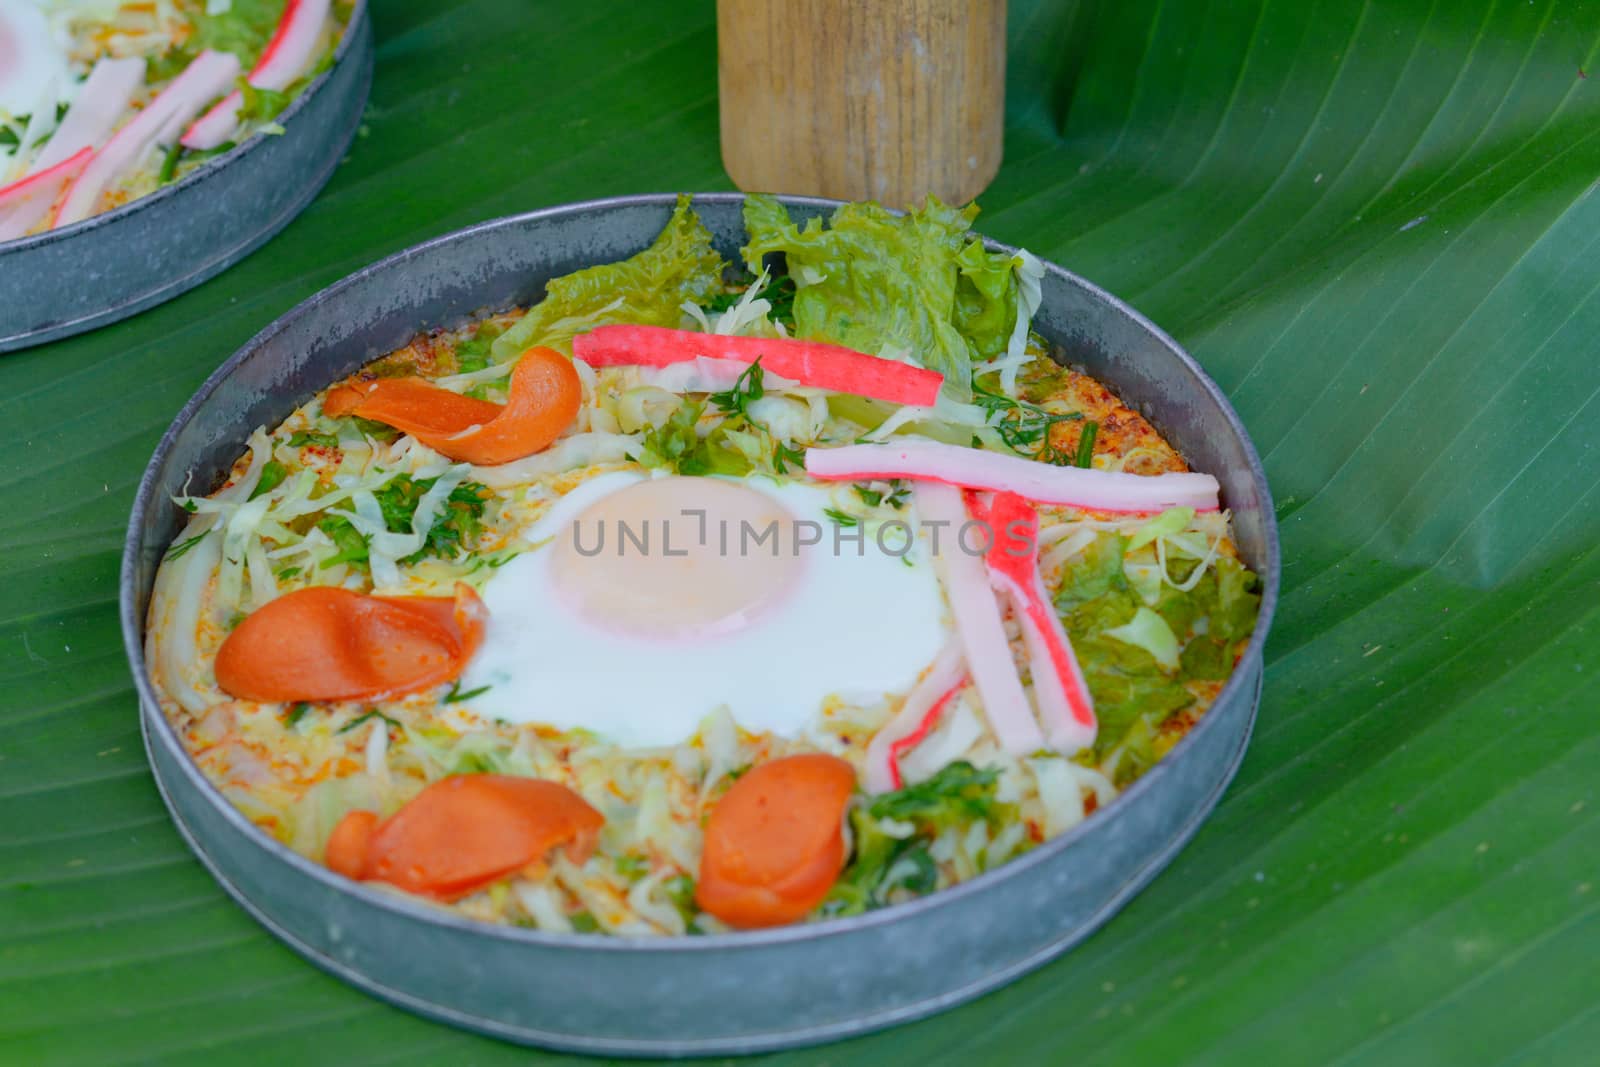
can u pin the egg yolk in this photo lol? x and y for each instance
(678, 558)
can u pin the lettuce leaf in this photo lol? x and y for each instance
(1096, 571)
(986, 299)
(1150, 632)
(244, 29)
(875, 281)
(647, 289)
(1136, 659)
(881, 862)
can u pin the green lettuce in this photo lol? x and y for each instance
(881, 862)
(647, 289)
(875, 281)
(1150, 632)
(1135, 659)
(244, 29)
(986, 299)
(677, 446)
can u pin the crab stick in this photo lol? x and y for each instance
(102, 100)
(1065, 707)
(979, 626)
(973, 468)
(464, 833)
(916, 719)
(202, 81)
(327, 643)
(543, 400)
(813, 363)
(285, 59)
(43, 183)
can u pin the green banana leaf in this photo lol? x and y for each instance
(1373, 223)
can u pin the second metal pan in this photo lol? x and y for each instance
(107, 267)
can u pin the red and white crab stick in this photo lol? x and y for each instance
(1065, 708)
(979, 627)
(972, 468)
(813, 363)
(285, 59)
(26, 190)
(207, 77)
(918, 716)
(101, 101)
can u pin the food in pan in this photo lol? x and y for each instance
(697, 597)
(102, 102)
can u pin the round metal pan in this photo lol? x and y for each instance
(109, 266)
(743, 992)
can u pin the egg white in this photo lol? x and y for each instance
(861, 626)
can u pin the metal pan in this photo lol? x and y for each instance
(109, 266)
(743, 992)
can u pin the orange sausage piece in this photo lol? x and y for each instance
(326, 643)
(346, 853)
(774, 844)
(463, 833)
(544, 398)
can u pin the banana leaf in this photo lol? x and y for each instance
(1374, 223)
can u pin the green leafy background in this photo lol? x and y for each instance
(1372, 222)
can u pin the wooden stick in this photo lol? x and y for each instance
(885, 100)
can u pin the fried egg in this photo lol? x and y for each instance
(652, 602)
(33, 65)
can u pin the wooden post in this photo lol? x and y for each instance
(885, 100)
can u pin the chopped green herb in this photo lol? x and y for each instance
(370, 713)
(633, 866)
(455, 529)
(287, 573)
(842, 518)
(476, 354)
(169, 163)
(1085, 454)
(783, 456)
(780, 293)
(350, 542)
(378, 431)
(207, 153)
(585, 923)
(899, 492)
(455, 696)
(959, 795)
(723, 301)
(184, 546)
(748, 387)
(475, 763)
(303, 438)
(680, 891)
(295, 714)
(1024, 427)
(272, 475)
(676, 445)
(261, 105)
(190, 506)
